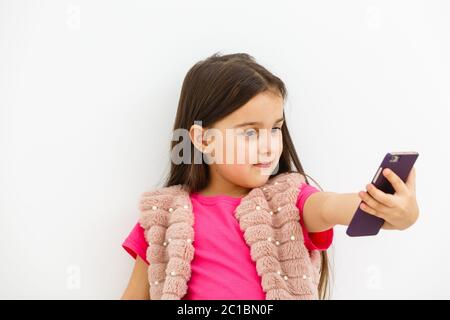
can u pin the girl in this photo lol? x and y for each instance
(246, 245)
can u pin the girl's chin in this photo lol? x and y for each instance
(266, 171)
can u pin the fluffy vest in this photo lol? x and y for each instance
(267, 215)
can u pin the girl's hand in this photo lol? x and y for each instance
(399, 210)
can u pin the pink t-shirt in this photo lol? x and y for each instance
(222, 267)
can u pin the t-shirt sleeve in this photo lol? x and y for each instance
(313, 240)
(135, 243)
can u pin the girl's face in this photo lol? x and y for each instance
(249, 136)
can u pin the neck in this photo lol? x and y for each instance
(218, 185)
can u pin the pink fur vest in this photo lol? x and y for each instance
(267, 215)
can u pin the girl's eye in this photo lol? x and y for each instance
(276, 129)
(250, 133)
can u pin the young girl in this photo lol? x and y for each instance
(249, 229)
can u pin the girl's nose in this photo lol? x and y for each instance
(264, 142)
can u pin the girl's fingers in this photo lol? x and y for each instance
(395, 180)
(371, 211)
(385, 198)
(371, 202)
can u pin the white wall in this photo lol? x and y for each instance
(88, 93)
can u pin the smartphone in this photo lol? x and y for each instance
(401, 163)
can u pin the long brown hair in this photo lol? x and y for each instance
(212, 89)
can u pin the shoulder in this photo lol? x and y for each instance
(295, 183)
(159, 196)
(155, 205)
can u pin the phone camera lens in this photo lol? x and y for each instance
(394, 159)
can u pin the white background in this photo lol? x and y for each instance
(88, 95)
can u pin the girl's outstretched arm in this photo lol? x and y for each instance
(324, 210)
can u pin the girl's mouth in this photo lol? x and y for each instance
(263, 164)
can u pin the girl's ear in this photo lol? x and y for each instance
(197, 135)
